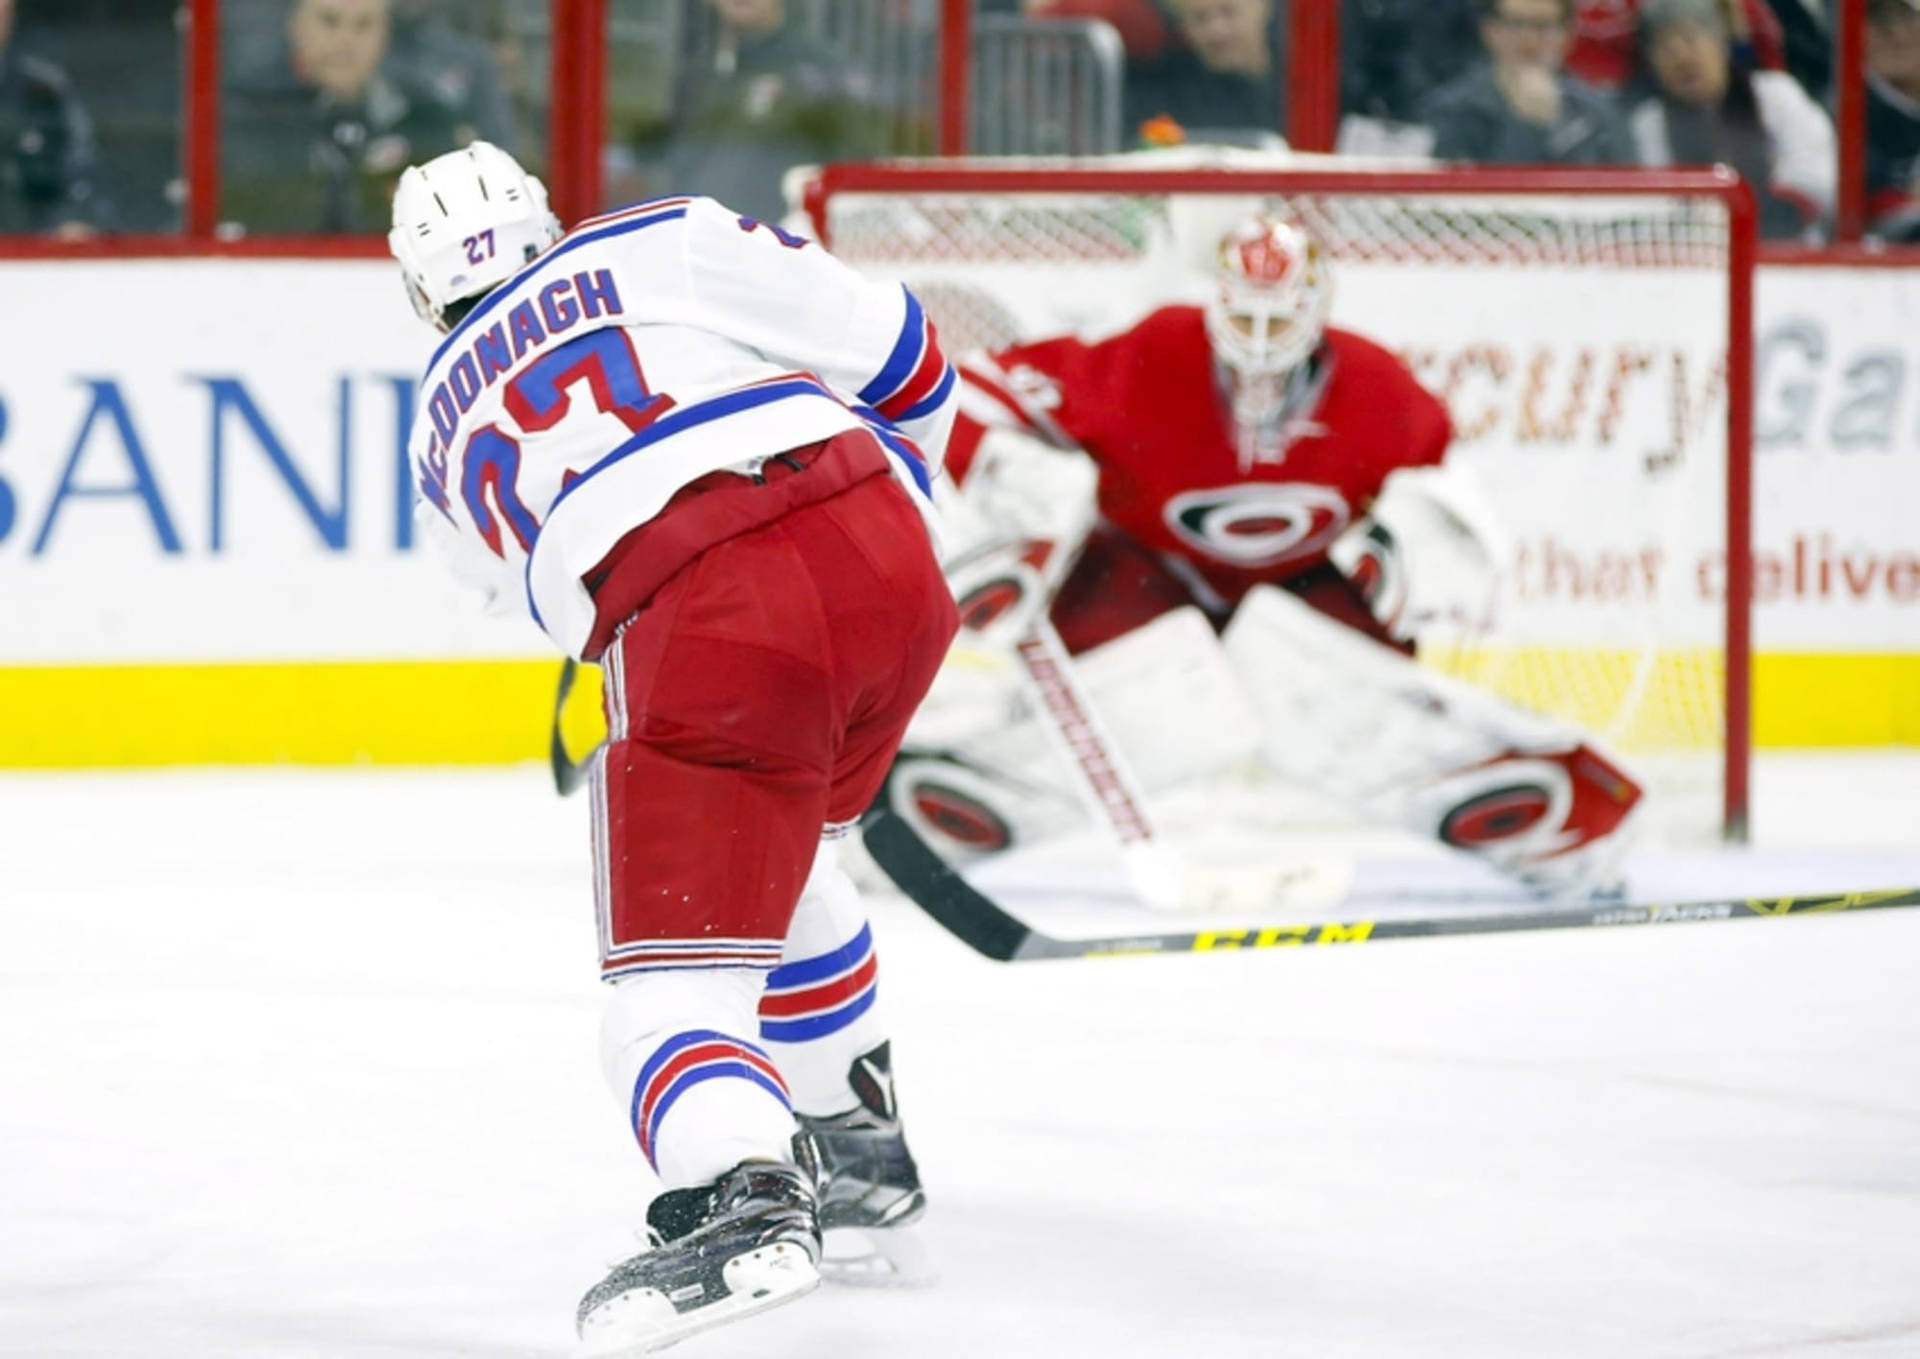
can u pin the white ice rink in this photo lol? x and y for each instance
(300, 1065)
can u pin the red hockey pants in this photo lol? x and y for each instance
(759, 692)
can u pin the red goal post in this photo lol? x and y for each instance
(1591, 331)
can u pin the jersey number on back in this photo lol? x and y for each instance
(537, 399)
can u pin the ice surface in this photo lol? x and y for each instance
(297, 1065)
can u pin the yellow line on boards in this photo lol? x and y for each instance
(1824, 699)
(498, 711)
(375, 712)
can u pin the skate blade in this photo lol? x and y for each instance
(645, 1320)
(877, 1257)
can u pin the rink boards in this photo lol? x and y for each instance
(207, 553)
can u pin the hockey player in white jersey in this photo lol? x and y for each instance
(698, 450)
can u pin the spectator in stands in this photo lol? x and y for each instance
(1605, 51)
(1395, 53)
(314, 142)
(1225, 84)
(1806, 28)
(1893, 119)
(772, 95)
(46, 146)
(455, 65)
(1704, 107)
(1520, 107)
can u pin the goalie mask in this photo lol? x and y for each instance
(464, 223)
(1265, 320)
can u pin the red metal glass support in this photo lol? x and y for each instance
(589, 97)
(1313, 78)
(575, 88)
(956, 65)
(1850, 110)
(200, 117)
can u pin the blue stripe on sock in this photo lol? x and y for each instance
(810, 970)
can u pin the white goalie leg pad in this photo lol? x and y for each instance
(1181, 714)
(1002, 790)
(1175, 711)
(1409, 747)
(1172, 700)
(979, 775)
(975, 774)
(976, 692)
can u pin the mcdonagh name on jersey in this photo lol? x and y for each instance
(554, 310)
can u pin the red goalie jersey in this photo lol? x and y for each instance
(1199, 504)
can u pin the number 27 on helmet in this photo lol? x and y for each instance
(464, 223)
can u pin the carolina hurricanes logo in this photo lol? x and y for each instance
(1258, 525)
(990, 600)
(960, 815)
(1496, 815)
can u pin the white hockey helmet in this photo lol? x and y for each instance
(1270, 305)
(465, 222)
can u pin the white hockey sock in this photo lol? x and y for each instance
(818, 1012)
(700, 1096)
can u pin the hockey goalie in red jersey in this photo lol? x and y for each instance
(1240, 515)
(1234, 441)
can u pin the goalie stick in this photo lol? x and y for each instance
(1106, 784)
(990, 929)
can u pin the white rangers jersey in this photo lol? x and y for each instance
(645, 349)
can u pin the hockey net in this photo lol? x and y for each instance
(1590, 333)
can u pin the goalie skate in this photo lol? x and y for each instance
(870, 1194)
(745, 1243)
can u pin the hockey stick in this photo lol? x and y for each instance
(568, 774)
(1163, 872)
(990, 929)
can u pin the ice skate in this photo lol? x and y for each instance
(870, 1194)
(745, 1243)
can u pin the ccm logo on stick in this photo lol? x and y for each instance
(1287, 936)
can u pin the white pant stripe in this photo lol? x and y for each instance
(602, 863)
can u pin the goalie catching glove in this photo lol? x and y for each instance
(1430, 551)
